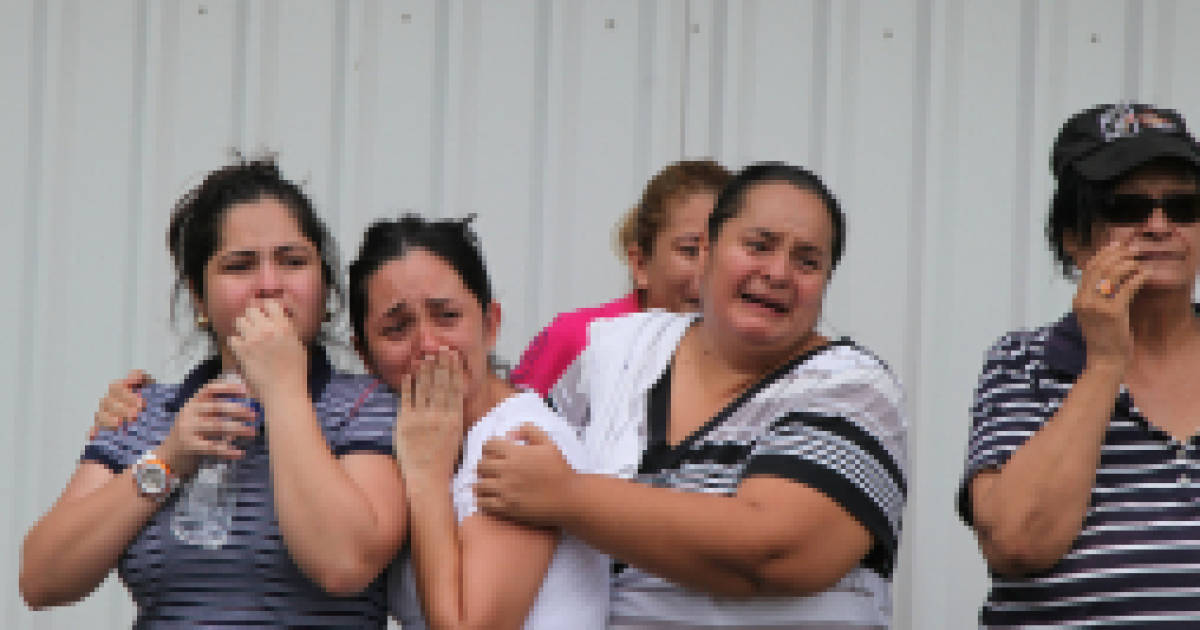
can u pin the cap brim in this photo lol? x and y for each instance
(1120, 157)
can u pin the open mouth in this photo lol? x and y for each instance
(1156, 256)
(776, 306)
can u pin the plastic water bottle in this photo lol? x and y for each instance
(204, 512)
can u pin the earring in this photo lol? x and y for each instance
(201, 321)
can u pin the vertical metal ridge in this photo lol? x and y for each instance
(918, 202)
(19, 450)
(643, 144)
(466, 180)
(716, 82)
(537, 169)
(239, 103)
(1025, 96)
(337, 115)
(437, 140)
(1164, 59)
(823, 24)
(1135, 11)
(849, 92)
(684, 81)
(747, 98)
(137, 174)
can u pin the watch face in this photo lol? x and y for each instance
(154, 479)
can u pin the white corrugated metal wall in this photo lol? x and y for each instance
(930, 118)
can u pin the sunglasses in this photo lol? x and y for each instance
(1135, 209)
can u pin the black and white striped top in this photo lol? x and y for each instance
(1136, 562)
(831, 419)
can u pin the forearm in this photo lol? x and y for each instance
(329, 526)
(1029, 513)
(436, 553)
(70, 551)
(713, 543)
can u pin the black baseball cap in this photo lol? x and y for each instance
(1107, 141)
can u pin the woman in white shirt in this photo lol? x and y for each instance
(425, 322)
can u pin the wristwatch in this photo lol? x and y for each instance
(153, 477)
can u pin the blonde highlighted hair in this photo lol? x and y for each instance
(642, 224)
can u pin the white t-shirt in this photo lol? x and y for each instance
(575, 591)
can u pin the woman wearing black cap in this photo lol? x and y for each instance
(1083, 469)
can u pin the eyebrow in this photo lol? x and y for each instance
(803, 246)
(286, 248)
(399, 308)
(396, 309)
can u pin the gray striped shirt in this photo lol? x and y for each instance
(251, 581)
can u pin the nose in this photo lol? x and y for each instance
(269, 281)
(1157, 223)
(428, 340)
(775, 267)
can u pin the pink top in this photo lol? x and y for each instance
(554, 349)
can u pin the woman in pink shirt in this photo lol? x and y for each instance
(662, 238)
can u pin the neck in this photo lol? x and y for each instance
(731, 355)
(228, 363)
(1162, 320)
(492, 392)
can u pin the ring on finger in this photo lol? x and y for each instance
(1106, 288)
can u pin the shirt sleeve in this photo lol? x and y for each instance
(854, 457)
(109, 449)
(118, 449)
(1007, 409)
(563, 437)
(368, 426)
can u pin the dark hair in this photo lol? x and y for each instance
(730, 201)
(642, 224)
(452, 240)
(1074, 205)
(196, 221)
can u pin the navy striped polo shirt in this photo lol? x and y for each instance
(1136, 562)
(251, 581)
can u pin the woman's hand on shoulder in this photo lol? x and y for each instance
(206, 426)
(429, 421)
(269, 351)
(1107, 284)
(524, 477)
(121, 403)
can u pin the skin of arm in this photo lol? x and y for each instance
(483, 572)
(100, 513)
(77, 543)
(774, 537)
(1028, 513)
(342, 519)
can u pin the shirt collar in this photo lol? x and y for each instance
(320, 372)
(1066, 350)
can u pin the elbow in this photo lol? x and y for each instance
(346, 579)
(771, 580)
(35, 596)
(1011, 552)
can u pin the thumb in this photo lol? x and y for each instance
(531, 434)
